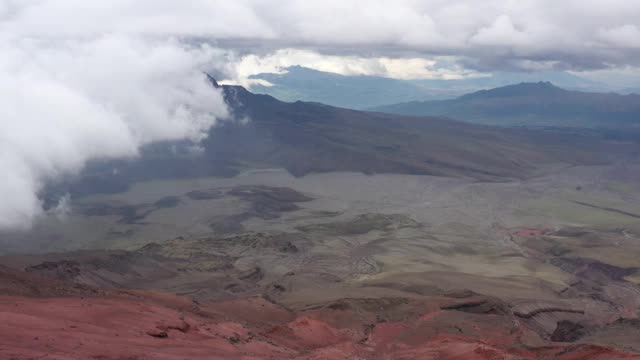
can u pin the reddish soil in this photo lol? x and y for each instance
(52, 320)
(150, 326)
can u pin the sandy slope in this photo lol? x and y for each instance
(42, 318)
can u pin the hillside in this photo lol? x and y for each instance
(331, 263)
(366, 91)
(539, 103)
(307, 137)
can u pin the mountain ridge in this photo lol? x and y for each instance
(523, 88)
(311, 137)
(366, 91)
(531, 104)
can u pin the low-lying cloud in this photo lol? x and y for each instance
(66, 102)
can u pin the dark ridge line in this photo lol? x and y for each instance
(529, 315)
(608, 209)
(464, 305)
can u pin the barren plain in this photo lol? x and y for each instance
(555, 256)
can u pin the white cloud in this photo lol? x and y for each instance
(63, 103)
(398, 68)
(624, 36)
(63, 209)
(81, 18)
(501, 32)
(547, 30)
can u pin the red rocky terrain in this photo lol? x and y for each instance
(45, 318)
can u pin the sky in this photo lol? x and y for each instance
(85, 80)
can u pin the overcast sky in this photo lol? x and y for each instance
(98, 79)
(488, 34)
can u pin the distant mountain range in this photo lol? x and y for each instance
(631, 90)
(309, 137)
(531, 104)
(361, 92)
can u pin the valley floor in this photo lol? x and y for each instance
(334, 266)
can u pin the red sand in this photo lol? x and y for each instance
(153, 326)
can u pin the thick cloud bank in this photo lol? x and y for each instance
(568, 34)
(63, 103)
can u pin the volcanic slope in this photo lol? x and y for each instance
(337, 265)
(43, 318)
(306, 137)
(389, 266)
(531, 104)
